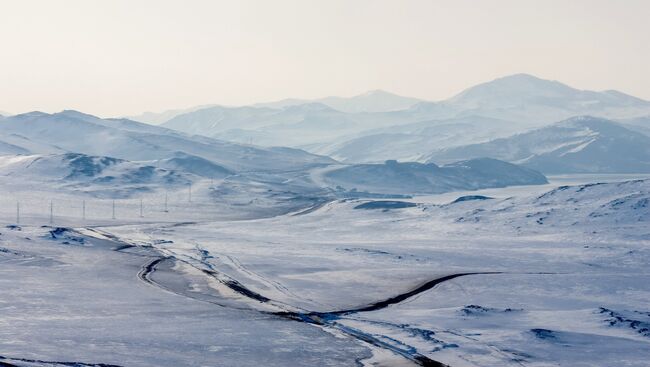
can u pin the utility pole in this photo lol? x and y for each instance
(113, 209)
(17, 212)
(190, 193)
(141, 209)
(83, 210)
(51, 212)
(166, 202)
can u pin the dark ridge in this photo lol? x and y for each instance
(238, 287)
(123, 247)
(385, 204)
(54, 363)
(404, 296)
(150, 268)
(470, 198)
(58, 231)
(329, 319)
(427, 362)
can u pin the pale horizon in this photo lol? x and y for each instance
(118, 58)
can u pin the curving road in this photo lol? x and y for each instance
(326, 320)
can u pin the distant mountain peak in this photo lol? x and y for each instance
(31, 114)
(75, 114)
(524, 97)
(64, 113)
(522, 76)
(514, 84)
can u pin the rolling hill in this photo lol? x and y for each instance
(75, 132)
(393, 177)
(578, 145)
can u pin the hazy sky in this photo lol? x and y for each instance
(119, 57)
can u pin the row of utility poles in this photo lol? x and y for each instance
(83, 207)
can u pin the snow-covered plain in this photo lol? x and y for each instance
(558, 278)
(567, 260)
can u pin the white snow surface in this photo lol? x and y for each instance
(571, 288)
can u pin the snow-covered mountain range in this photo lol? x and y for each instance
(371, 101)
(522, 99)
(409, 142)
(361, 143)
(75, 132)
(379, 126)
(157, 118)
(73, 151)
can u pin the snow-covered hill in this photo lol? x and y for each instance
(393, 177)
(412, 142)
(577, 145)
(290, 126)
(193, 164)
(638, 124)
(71, 131)
(90, 174)
(157, 118)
